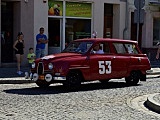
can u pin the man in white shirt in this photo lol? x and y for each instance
(158, 51)
(97, 49)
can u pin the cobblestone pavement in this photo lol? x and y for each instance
(94, 101)
(157, 98)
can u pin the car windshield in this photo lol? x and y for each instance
(78, 47)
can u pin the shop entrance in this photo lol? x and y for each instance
(108, 20)
(54, 35)
(7, 32)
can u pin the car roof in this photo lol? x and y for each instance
(106, 39)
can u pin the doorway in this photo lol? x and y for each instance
(7, 32)
(108, 21)
(54, 35)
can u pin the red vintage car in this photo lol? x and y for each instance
(92, 59)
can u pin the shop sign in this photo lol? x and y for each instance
(76, 9)
(55, 8)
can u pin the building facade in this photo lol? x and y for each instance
(66, 20)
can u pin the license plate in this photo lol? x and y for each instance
(41, 77)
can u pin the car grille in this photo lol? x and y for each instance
(40, 69)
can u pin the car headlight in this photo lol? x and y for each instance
(33, 65)
(50, 66)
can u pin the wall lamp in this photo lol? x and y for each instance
(44, 1)
(26, 1)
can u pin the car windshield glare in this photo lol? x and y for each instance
(78, 47)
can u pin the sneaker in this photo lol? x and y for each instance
(26, 75)
(31, 76)
(19, 72)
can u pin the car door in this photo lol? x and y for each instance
(120, 65)
(121, 60)
(101, 64)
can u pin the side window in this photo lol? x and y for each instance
(119, 48)
(101, 46)
(84, 46)
(131, 49)
(135, 51)
(98, 48)
(106, 48)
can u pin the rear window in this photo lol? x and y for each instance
(120, 48)
(131, 49)
(125, 48)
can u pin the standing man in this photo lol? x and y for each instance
(158, 51)
(41, 39)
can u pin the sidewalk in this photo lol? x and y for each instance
(9, 75)
(153, 73)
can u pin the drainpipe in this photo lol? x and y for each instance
(126, 21)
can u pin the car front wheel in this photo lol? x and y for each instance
(73, 80)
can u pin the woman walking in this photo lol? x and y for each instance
(19, 51)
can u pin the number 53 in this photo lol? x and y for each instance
(104, 67)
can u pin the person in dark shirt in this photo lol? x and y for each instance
(19, 51)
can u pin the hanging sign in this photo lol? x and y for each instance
(55, 8)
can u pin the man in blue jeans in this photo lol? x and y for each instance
(41, 39)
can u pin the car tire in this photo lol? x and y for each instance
(73, 80)
(143, 77)
(133, 79)
(42, 84)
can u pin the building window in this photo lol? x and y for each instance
(156, 31)
(54, 32)
(77, 28)
(77, 17)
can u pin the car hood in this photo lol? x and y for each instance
(59, 56)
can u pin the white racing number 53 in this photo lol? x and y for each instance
(104, 67)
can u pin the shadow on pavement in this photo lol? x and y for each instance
(60, 89)
(11, 72)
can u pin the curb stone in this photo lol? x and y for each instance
(152, 104)
(139, 103)
(19, 80)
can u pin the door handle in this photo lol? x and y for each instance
(114, 57)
